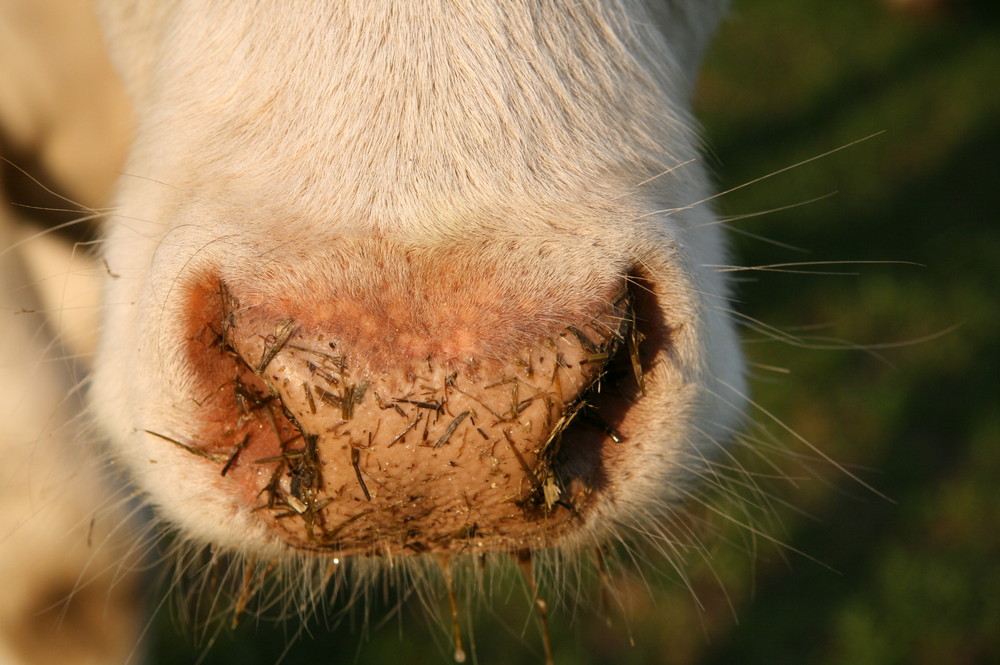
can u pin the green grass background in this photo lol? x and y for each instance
(912, 578)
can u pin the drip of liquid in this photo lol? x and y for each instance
(456, 629)
(608, 596)
(250, 588)
(331, 569)
(604, 583)
(246, 592)
(524, 562)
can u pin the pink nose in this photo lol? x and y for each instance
(407, 417)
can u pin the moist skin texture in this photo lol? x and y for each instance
(444, 443)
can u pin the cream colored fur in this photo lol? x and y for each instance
(68, 570)
(559, 124)
(268, 131)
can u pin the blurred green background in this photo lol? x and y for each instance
(912, 409)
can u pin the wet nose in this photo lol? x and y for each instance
(408, 430)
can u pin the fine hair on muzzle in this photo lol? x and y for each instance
(397, 283)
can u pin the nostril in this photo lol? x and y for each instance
(346, 443)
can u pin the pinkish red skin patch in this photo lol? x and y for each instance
(351, 430)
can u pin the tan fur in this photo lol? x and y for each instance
(70, 588)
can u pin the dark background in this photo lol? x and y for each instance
(888, 368)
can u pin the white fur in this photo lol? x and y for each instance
(426, 125)
(267, 132)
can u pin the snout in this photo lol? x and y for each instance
(396, 401)
(394, 299)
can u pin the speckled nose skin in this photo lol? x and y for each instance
(373, 426)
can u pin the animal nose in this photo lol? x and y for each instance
(414, 418)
